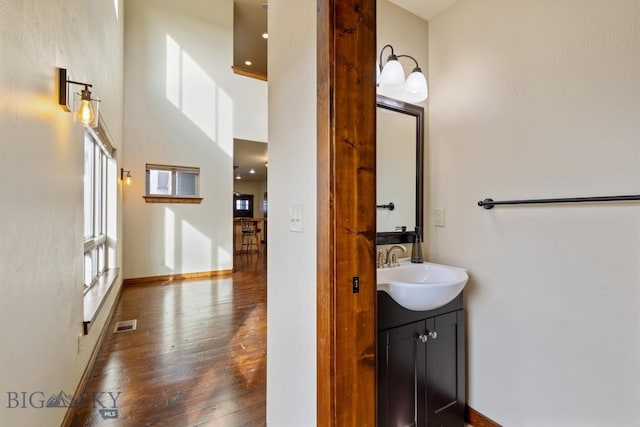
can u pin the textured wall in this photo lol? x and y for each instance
(533, 100)
(41, 168)
(291, 309)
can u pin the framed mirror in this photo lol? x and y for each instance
(399, 170)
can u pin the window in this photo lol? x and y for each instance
(96, 183)
(172, 182)
(242, 205)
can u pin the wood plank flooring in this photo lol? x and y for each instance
(197, 357)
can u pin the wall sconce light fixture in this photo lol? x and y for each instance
(127, 178)
(391, 81)
(85, 108)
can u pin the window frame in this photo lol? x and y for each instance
(173, 197)
(95, 243)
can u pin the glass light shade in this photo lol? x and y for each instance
(85, 112)
(415, 88)
(377, 73)
(85, 109)
(392, 75)
(390, 92)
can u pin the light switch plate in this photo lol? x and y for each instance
(439, 217)
(295, 218)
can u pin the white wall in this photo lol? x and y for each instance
(291, 295)
(535, 100)
(184, 106)
(250, 110)
(41, 168)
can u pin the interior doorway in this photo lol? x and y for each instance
(250, 204)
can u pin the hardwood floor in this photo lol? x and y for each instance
(197, 357)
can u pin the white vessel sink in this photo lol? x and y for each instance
(421, 287)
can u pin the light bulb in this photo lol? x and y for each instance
(85, 112)
(128, 180)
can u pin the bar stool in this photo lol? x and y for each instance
(249, 234)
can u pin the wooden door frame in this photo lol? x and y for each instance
(346, 329)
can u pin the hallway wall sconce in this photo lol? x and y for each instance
(85, 108)
(391, 81)
(125, 178)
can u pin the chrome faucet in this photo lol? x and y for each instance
(389, 258)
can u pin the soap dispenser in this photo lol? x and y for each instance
(416, 250)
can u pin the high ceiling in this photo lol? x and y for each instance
(249, 25)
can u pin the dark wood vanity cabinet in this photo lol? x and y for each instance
(421, 365)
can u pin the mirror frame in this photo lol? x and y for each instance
(390, 237)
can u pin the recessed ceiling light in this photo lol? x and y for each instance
(252, 170)
(248, 62)
(265, 35)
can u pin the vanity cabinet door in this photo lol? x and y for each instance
(397, 380)
(421, 373)
(445, 370)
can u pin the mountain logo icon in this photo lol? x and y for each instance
(60, 400)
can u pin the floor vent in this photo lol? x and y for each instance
(126, 325)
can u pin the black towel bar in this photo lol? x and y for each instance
(389, 206)
(490, 203)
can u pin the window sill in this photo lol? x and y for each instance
(95, 297)
(169, 199)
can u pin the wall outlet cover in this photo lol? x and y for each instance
(296, 218)
(439, 217)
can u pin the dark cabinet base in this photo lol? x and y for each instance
(421, 365)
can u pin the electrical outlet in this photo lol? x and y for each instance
(439, 217)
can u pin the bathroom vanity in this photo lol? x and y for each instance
(420, 320)
(421, 364)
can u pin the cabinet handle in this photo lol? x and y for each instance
(428, 334)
